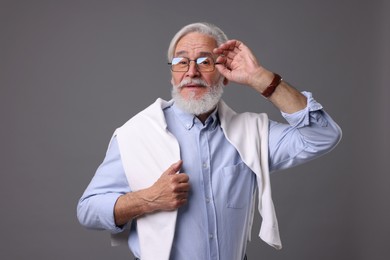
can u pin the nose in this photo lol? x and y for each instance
(192, 70)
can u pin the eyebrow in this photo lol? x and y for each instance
(201, 54)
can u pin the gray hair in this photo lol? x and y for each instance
(203, 28)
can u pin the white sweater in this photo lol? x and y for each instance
(147, 149)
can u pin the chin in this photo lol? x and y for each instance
(193, 94)
(197, 103)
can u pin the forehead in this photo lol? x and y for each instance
(194, 43)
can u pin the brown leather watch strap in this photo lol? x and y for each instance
(271, 88)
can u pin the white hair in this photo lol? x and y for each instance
(203, 28)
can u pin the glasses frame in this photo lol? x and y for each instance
(196, 64)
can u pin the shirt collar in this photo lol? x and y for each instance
(190, 120)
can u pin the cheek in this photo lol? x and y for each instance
(213, 79)
(176, 79)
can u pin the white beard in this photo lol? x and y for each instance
(198, 106)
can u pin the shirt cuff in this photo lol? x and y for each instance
(302, 118)
(106, 217)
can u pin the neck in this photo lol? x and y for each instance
(203, 117)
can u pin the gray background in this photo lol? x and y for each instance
(73, 71)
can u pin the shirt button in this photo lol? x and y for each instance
(208, 200)
(211, 236)
(205, 165)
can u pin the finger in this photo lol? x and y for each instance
(221, 60)
(229, 46)
(182, 178)
(224, 51)
(181, 190)
(183, 187)
(181, 202)
(224, 71)
(174, 168)
(181, 196)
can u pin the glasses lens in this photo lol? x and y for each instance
(205, 63)
(180, 64)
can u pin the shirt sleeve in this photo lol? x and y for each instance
(95, 209)
(309, 134)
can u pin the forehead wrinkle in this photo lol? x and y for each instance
(195, 44)
(200, 54)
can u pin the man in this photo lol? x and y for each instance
(182, 174)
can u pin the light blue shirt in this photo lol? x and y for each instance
(214, 222)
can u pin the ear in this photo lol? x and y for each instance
(225, 81)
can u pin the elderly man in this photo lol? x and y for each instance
(181, 176)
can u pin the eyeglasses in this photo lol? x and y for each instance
(203, 64)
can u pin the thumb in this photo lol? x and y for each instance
(174, 168)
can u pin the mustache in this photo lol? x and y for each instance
(187, 82)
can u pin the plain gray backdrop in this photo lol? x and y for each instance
(73, 71)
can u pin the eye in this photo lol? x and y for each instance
(203, 61)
